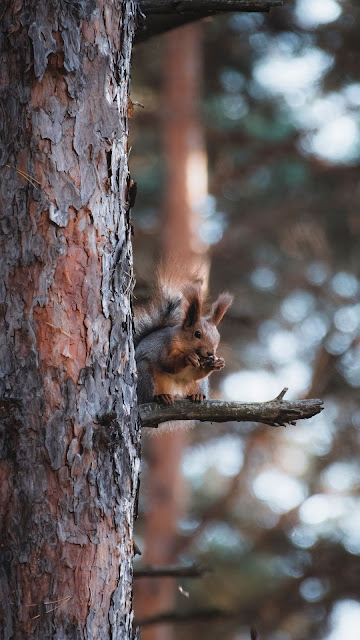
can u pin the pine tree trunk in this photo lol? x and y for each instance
(69, 438)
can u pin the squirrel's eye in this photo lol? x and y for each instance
(197, 334)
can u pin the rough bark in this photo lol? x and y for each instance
(67, 482)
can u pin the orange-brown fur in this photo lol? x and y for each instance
(181, 349)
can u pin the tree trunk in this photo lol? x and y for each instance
(184, 145)
(69, 439)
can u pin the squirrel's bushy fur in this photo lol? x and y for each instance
(175, 341)
(165, 309)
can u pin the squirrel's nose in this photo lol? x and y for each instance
(210, 353)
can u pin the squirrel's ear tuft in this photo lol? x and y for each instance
(193, 310)
(220, 307)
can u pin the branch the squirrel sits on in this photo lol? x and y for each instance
(176, 341)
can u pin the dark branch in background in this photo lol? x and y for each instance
(210, 6)
(328, 562)
(170, 571)
(275, 413)
(201, 615)
(185, 617)
(158, 16)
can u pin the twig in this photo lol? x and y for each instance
(280, 397)
(58, 329)
(57, 601)
(137, 550)
(58, 604)
(62, 601)
(25, 175)
(275, 413)
(170, 571)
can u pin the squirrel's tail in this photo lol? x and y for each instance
(168, 304)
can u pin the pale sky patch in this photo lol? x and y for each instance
(313, 13)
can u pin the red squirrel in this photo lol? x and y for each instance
(176, 343)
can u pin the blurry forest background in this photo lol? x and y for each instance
(247, 151)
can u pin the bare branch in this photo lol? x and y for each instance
(207, 6)
(184, 616)
(275, 413)
(158, 16)
(170, 571)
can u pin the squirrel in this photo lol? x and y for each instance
(175, 343)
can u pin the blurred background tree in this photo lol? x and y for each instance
(274, 513)
(183, 200)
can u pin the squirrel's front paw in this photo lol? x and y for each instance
(193, 359)
(197, 397)
(212, 363)
(164, 398)
(219, 363)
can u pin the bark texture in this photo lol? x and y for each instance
(68, 477)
